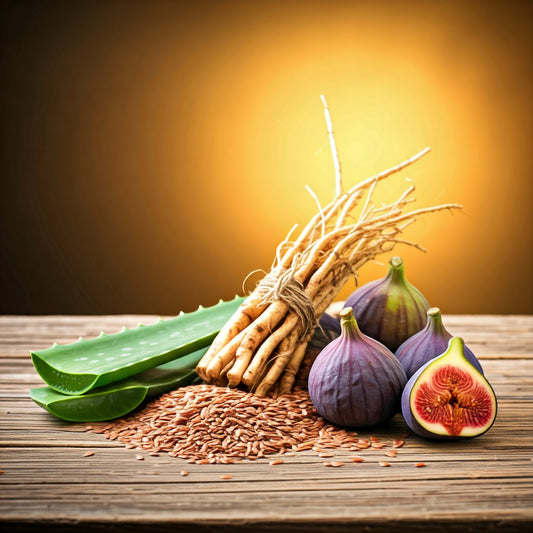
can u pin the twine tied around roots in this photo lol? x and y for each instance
(284, 287)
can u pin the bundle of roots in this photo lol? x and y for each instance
(261, 348)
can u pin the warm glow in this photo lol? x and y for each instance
(171, 147)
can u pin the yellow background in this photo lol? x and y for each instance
(155, 153)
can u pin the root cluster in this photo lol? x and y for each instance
(261, 348)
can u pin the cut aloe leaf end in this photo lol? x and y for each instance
(87, 364)
(95, 407)
(119, 398)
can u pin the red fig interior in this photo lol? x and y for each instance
(451, 397)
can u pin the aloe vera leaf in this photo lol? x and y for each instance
(90, 363)
(119, 398)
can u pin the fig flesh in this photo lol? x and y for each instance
(355, 381)
(448, 398)
(429, 343)
(390, 309)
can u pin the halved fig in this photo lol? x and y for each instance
(448, 397)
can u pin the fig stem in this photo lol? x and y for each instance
(349, 325)
(434, 323)
(396, 262)
(396, 273)
(457, 343)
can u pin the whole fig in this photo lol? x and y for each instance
(448, 398)
(328, 328)
(356, 381)
(390, 309)
(427, 344)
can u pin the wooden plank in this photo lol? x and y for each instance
(476, 485)
(492, 334)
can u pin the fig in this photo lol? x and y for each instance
(429, 343)
(328, 329)
(448, 397)
(356, 381)
(390, 309)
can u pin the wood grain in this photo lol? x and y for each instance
(47, 482)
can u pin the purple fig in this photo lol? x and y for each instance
(328, 329)
(390, 309)
(356, 381)
(448, 398)
(427, 344)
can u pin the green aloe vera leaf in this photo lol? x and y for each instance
(91, 363)
(119, 398)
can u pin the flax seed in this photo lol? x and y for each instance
(88, 454)
(206, 424)
(384, 463)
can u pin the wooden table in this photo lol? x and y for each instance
(484, 484)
